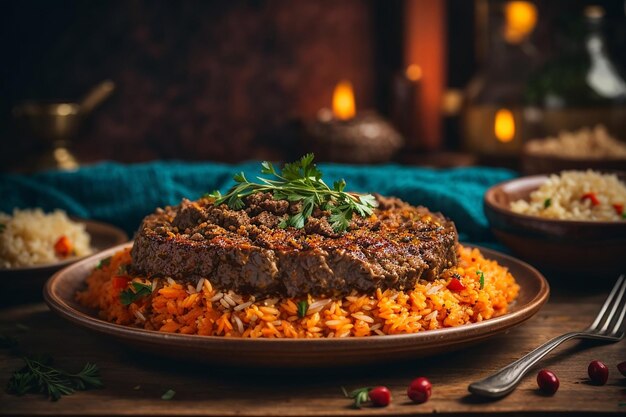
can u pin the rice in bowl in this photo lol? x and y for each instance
(577, 195)
(476, 289)
(32, 237)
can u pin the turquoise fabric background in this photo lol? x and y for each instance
(123, 194)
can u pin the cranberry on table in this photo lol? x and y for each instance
(621, 367)
(547, 381)
(380, 396)
(598, 372)
(419, 390)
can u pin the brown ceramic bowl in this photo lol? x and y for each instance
(543, 164)
(25, 283)
(579, 248)
(60, 293)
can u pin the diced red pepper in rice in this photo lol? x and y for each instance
(63, 247)
(455, 285)
(592, 197)
(619, 208)
(120, 282)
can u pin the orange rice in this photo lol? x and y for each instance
(177, 307)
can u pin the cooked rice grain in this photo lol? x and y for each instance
(27, 237)
(563, 197)
(430, 305)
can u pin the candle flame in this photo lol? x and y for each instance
(504, 125)
(521, 19)
(343, 101)
(414, 72)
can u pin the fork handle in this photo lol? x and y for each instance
(506, 379)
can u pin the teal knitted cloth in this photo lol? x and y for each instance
(123, 194)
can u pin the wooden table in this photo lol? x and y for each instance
(135, 382)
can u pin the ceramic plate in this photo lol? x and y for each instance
(61, 288)
(26, 283)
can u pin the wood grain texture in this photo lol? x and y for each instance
(204, 390)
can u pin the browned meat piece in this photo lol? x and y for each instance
(245, 251)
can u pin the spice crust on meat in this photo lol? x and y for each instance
(246, 250)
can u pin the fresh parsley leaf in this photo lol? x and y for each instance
(340, 219)
(2, 227)
(482, 278)
(104, 262)
(547, 203)
(267, 168)
(133, 294)
(339, 185)
(303, 307)
(300, 181)
(168, 395)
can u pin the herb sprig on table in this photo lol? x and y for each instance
(39, 376)
(300, 181)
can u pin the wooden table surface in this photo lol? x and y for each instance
(135, 382)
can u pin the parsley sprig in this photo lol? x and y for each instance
(39, 376)
(481, 276)
(300, 181)
(303, 307)
(137, 291)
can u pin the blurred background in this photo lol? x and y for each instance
(423, 82)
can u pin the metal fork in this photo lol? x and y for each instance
(606, 327)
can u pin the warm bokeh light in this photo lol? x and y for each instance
(414, 72)
(521, 18)
(504, 125)
(343, 101)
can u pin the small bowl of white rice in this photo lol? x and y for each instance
(31, 238)
(35, 244)
(573, 221)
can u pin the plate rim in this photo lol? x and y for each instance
(453, 335)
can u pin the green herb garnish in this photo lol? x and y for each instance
(169, 394)
(482, 279)
(103, 262)
(547, 203)
(360, 395)
(2, 227)
(39, 376)
(137, 291)
(624, 215)
(303, 307)
(302, 182)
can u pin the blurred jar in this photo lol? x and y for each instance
(580, 87)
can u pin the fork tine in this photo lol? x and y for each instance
(620, 318)
(615, 305)
(607, 303)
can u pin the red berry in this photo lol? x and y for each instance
(621, 367)
(420, 390)
(380, 396)
(547, 381)
(598, 372)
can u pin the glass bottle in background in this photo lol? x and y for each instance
(580, 87)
